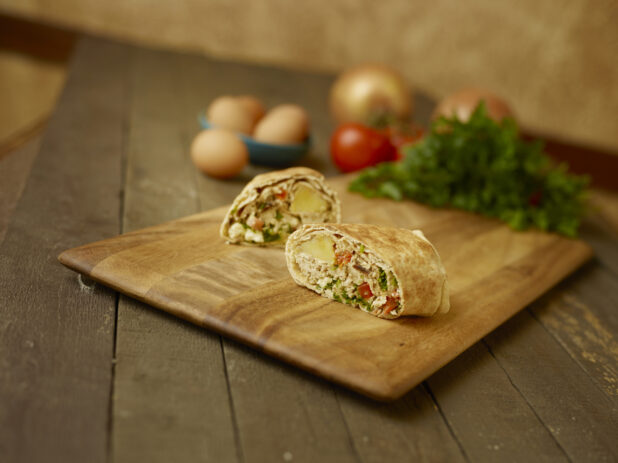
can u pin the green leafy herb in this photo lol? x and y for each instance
(483, 166)
(382, 280)
(261, 206)
(278, 215)
(361, 249)
(357, 300)
(270, 236)
(393, 280)
(352, 299)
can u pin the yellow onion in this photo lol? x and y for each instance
(463, 103)
(370, 91)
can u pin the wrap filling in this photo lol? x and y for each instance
(278, 211)
(345, 271)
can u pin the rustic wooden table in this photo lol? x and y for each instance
(88, 375)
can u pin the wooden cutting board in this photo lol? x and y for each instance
(184, 268)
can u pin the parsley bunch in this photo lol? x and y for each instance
(482, 166)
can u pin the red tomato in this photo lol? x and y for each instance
(255, 223)
(400, 137)
(354, 146)
(365, 291)
(390, 304)
(343, 258)
(535, 198)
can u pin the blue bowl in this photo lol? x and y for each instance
(267, 154)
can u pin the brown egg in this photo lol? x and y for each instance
(219, 153)
(283, 125)
(464, 102)
(229, 113)
(253, 107)
(293, 111)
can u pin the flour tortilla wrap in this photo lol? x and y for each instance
(273, 205)
(399, 268)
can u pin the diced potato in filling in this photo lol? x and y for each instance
(320, 247)
(349, 273)
(307, 200)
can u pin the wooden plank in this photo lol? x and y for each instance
(603, 239)
(582, 419)
(283, 414)
(301, 414)
(14, 171)
(605, 205)
(580, 314)
(171, 400)
(410, 429)
(518, 425)
(56, 336)
(486, 412)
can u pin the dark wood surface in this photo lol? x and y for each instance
(86, 375)
(57, 334)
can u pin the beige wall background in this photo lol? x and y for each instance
(555, 61)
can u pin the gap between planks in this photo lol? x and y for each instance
(525, 399)
(446, 421)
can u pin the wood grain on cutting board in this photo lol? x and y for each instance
(184, 268)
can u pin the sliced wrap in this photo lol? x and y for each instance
(273, 205)
(387, 272)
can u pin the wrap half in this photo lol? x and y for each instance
(387, 272)
(275, 204)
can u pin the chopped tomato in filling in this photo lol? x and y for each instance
(365, 291)
(255, 223)
(343, 258)
(389, 305)
(281, 194)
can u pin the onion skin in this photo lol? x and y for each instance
(368, 91)
(463, 103)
